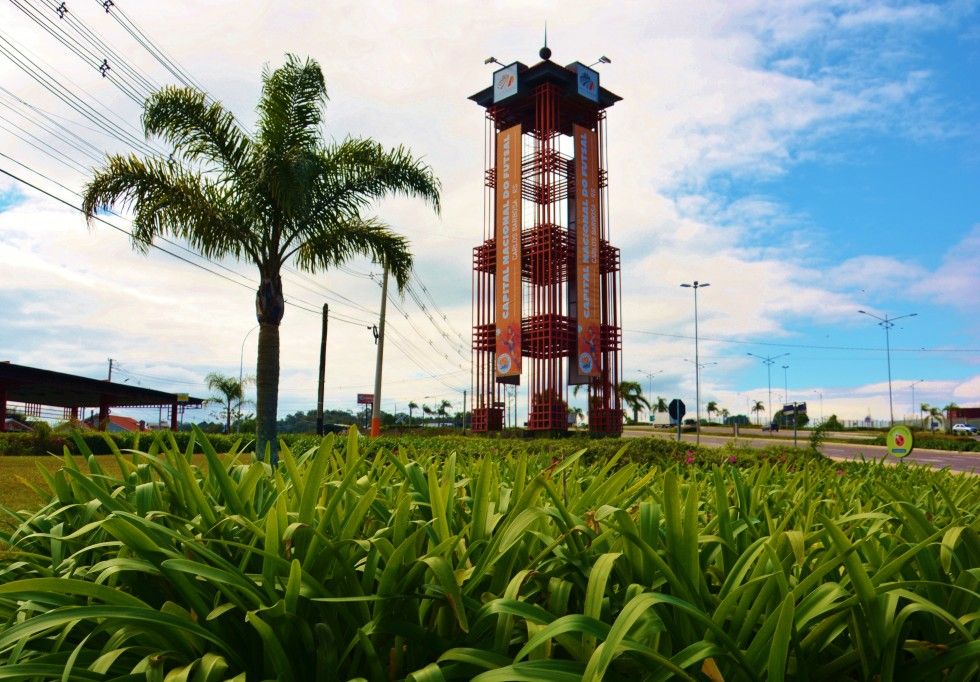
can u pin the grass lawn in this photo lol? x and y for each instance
(19, 473)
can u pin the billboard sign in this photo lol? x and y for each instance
(587, 250)
(504, 82)
(365, 399)
(507, 234)
(588, 83)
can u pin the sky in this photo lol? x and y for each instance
(808, 159)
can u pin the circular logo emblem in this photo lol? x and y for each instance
(585, 363)
(899, 441)
(503, 363)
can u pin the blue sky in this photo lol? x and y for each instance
(807, 158)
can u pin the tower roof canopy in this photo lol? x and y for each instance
(547, 71)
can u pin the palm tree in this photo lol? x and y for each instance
(427, 411)
(712, 406)
(661, 405)
(924, 410)
(757, 408)
(412, 406)
(724, 415)
(949, 421)
(443, 409)
(231, 392)
(279, 196)
(935, 414)
(631, 393)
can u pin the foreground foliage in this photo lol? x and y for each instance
(406, 564)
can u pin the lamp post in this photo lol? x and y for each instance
(241, 368)
(769, 361)
(699, 366)
(912, 386)
(697, 374)
(821, 404)
(649, 376)
(887, 323)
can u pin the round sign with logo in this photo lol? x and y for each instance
(899, 441)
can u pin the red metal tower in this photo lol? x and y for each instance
(545, 279)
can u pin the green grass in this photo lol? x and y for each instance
(463, 559)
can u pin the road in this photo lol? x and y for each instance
(957, 461)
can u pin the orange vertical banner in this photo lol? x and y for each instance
(507, 233)
(587, 249)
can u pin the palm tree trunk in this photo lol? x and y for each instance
(267, 392)
(228, 416)
(269, 307)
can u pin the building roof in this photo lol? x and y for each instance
(124, 423)
(56, 389)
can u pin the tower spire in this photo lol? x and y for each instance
(545, 52)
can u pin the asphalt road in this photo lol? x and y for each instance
(956, 461)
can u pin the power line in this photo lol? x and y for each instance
(803, 345)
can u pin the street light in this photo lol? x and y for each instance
(769, 361)
(912, 386)
(821, 404)
(649, 376)
(887, 323)
(700, 365)
(241, 369)
(697, 375)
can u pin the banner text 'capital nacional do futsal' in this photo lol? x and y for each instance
(587, 249)
(507, 233)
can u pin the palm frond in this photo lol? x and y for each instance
(199, 130)
(336, 243)
(169, 200)
(291, 107)
(358, 171)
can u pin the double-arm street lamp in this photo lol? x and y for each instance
(697, 374)
(769, 361)
(887, 323)
(649, 376)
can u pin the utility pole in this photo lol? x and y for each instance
(464, 410)
(323, 371)
(376, 408)
(110, 370)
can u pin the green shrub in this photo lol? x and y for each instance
(928, 440)
(417, 560)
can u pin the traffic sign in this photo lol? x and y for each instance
(676, 409)
(899, 441)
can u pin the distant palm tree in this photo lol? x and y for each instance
(757, 408)
(443, 409)
(282, 195)
(712, 406)
(576, 413)
(231, 393)
(949, 421)
(724, 415)
(924, 412)
(631, 393)
(661, 405)
(427, 411)
(412, 406)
